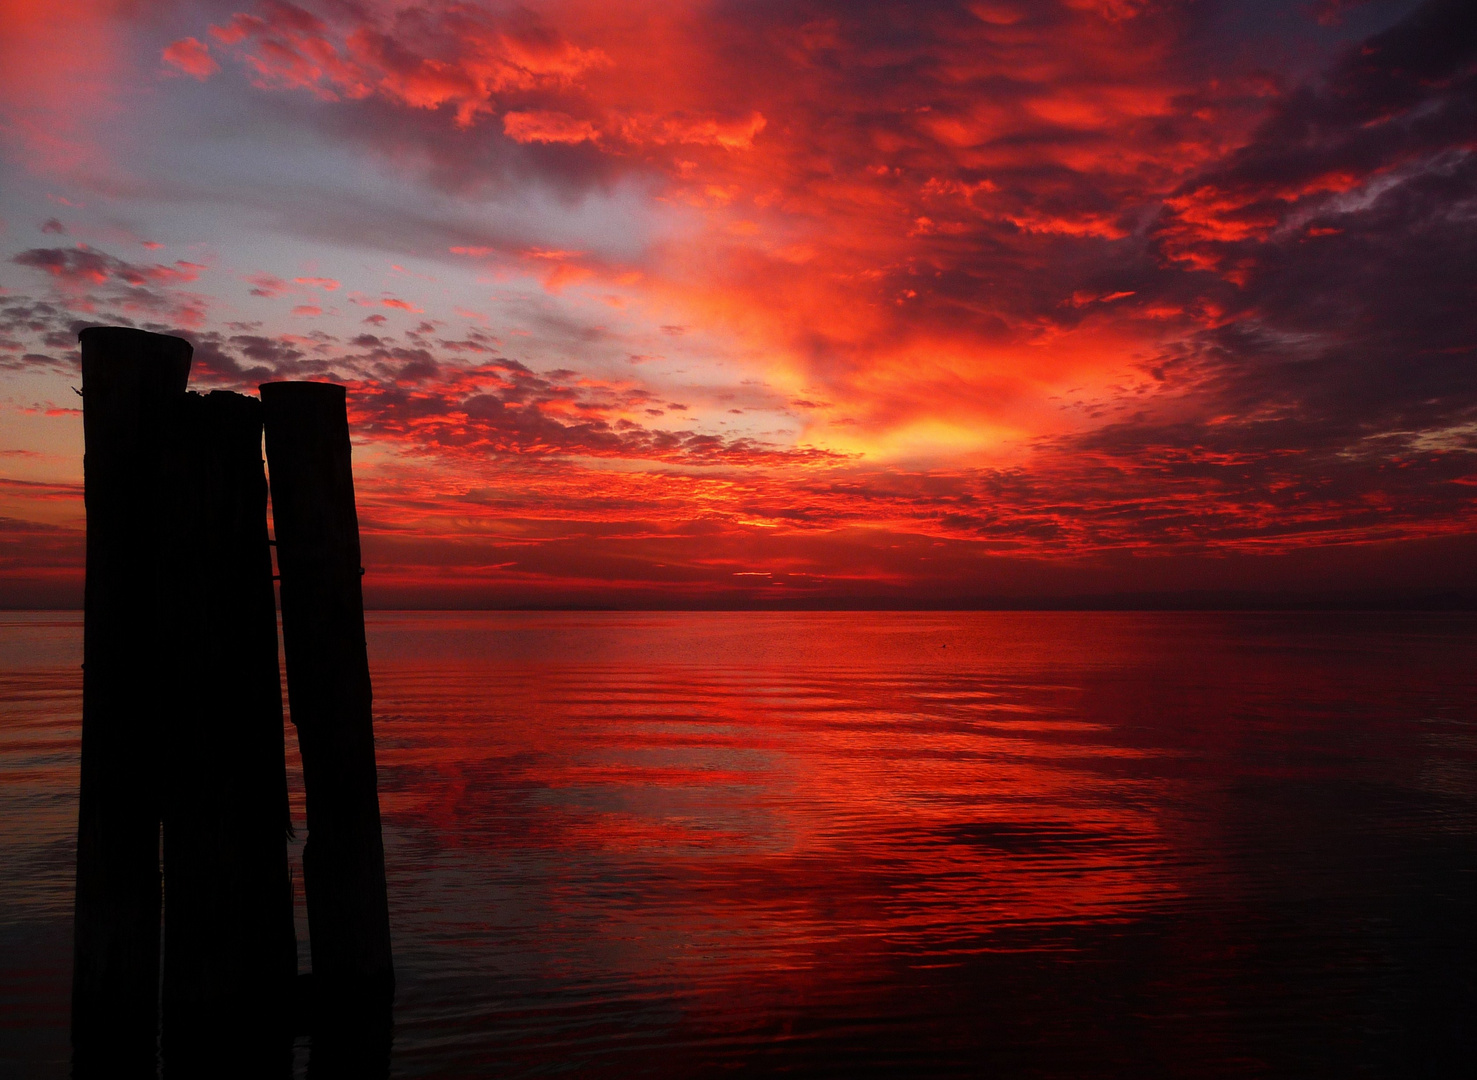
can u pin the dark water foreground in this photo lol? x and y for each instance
(873, 844)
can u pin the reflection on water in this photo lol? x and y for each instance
(840, 844)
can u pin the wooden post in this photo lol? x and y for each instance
(230, 950)
(131, 383)
(328, 689)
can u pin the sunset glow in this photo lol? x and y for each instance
(693, 303)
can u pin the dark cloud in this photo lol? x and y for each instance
(504, 408)
(83, 265)
(1334, 246)
(411, 396)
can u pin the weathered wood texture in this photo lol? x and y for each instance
(230, 951)
(328, 687)
(131, 382)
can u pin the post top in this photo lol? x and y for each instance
(128, 338)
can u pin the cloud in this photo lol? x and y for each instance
(191, 56)
(88, 280)
(1331, 12)
(83, 265)
(1399, 105)
(461, 58)
(60, 62)
(544, 126)
(1326, 244)
(267, 285)
(1068, 282)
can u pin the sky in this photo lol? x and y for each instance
(746, 303)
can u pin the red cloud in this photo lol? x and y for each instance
(190, 56)
(1056, 281)
(267, 285)
(458, 57)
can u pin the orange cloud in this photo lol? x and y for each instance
(547, 127)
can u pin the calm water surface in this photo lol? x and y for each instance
(677, 845)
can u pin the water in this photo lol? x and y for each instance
(1004, 844)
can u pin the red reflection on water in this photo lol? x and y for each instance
(786, 822)
(829, 844)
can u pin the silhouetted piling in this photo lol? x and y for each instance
(131, 382)
(328, 688)
(230, 950)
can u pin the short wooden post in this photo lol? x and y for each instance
(131, 383)
(230, 950)
(329, 694)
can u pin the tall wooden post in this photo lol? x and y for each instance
(131, 383)
(230, 950)
(328, 688)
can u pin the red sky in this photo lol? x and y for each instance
(675, 303)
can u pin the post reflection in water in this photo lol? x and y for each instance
(851, 844)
